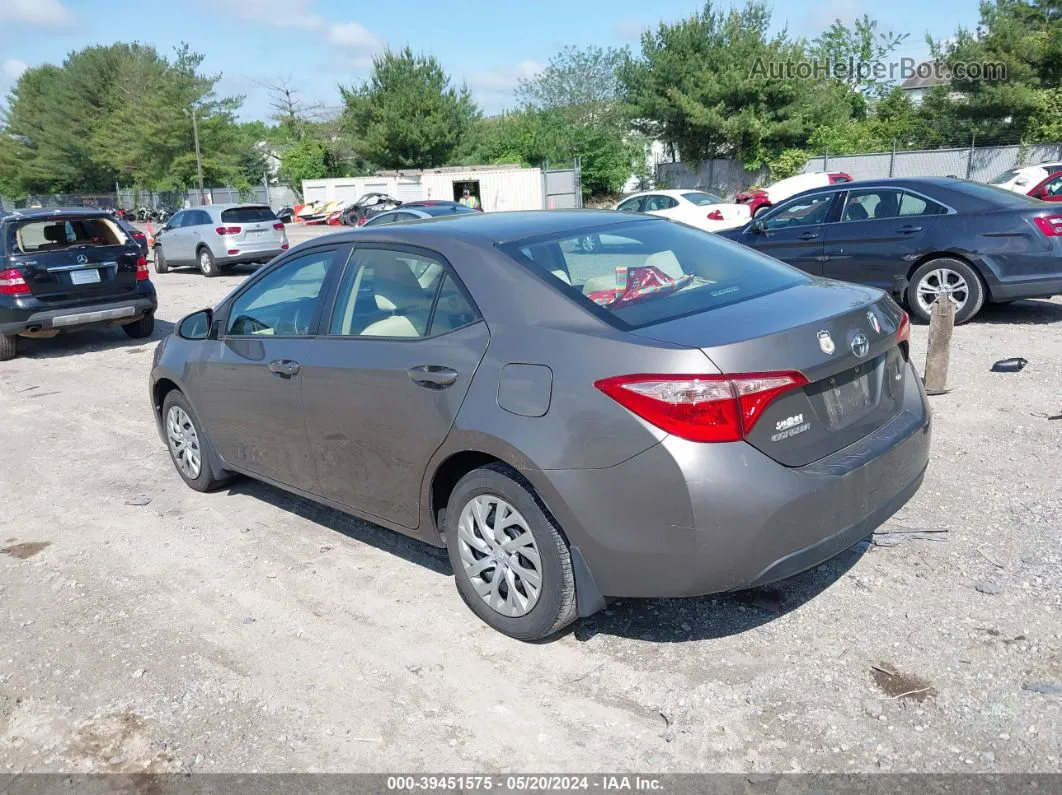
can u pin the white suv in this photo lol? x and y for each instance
(219, 235)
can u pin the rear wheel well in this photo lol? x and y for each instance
(449, 474)
(943, 255)
(162, 388)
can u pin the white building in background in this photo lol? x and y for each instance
(927, 76)
(499, 188)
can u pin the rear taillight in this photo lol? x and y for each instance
(1050, 225)
(228, 230)
(362, 221)
(233, 251)
(142, 273)
(284, 245)
(903, 328)
(701, 408)
(140, 237)
(715, 215)
(13, 283)
(278, 226)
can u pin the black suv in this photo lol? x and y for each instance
(68, 268)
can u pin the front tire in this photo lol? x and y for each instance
(933, 277)
(8, 347)
(139, 329)
(189, 447)
(511, 562)
(161, 266)
(207, 264)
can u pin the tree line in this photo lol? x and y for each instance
(122, 113)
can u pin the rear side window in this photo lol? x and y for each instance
(247, 215)
(913, 204)
(59, 234)
(643, 273)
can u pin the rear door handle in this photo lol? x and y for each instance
(432, 376)
(285, 368)
(910, 229)
(809, 236)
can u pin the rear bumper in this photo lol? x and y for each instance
(249, 256)
(15, 318)
(683, 519)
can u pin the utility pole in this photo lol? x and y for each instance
(198, 159)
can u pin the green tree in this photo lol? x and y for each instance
(706, 84)
(860, 44)
(1023, 38)
(307, 159)
(120, 113)
(582, 86)
(407, 115)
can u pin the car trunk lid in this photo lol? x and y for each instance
(855, 369)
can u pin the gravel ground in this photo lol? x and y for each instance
(146, 627)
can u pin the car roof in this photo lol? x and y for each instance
(37, 213)
(494, 228)
(666, 192)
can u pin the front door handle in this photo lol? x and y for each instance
(910, 229)
(285, 368)
(432, 376)
(809, 235)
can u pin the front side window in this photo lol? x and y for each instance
(386, 293)
(284, 302)
(659, 203)
(176, 221)
(871, 204)
(1054, 187)
(648, 272)
(805, 211)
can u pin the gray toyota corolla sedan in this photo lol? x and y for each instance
(579, 405)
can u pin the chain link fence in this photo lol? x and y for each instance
(977, 163)
(276, 196)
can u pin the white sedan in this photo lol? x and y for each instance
(693, 207)
(1024, 179)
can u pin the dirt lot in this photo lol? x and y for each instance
(144, 626)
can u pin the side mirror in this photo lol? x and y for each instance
(758, 225)
(196, 326)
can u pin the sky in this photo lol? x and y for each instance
(316, 45)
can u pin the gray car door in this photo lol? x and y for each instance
(248, 385)
(383, 386)
(196, 228)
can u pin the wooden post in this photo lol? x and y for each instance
(938, 351)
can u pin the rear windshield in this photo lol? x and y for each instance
(247, 215)
(701, 199)
(643, 273)
(1006, 176)
(65, 233)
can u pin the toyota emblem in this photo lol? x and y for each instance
(81, 259)
(860, 344)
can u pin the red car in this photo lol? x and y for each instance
(762, 198)
(1050, 190)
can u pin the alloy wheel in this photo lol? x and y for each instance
(939, 281)
(499, 555)
(184, 442)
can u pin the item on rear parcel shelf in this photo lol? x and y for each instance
(1009, 365)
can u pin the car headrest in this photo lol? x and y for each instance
(55, 233)
(857, 212)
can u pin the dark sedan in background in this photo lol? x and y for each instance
(917, 238)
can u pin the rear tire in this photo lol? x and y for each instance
(144, 327)
(189, 448)
(161, 266)
(489, 510)
(8, 347)
(928, 279)
(207, 264)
